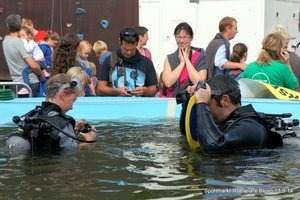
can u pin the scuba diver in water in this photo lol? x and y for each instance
(223, 124)
(48, 127)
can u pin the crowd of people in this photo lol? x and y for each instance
(126, 72)
(129, 71)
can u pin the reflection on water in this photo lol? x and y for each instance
(140, 161)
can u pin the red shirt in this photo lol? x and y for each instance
(40, 36)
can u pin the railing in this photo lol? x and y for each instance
(17, 87)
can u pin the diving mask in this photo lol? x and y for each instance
(75, 83)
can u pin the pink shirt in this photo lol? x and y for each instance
(147, 53)
(184, 76)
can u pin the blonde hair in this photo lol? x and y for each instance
(272, 45)
(84, 44)
(99, 47)
(93, 68)
(26, 22)
(279, 29)
(81, 74)
(54, 83)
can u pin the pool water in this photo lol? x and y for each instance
(154, 161)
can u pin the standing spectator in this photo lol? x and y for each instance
(218, 50)
(51, 40)
(100, 49)
(39, 35)
(143, 38)
(94, 78)
(17, 57)
(273, 64)
(132, 75)
(64, 56)
(297, 51)
(186, 66)
(33, 49)
(84, 78)
(84, 50)
(294, 59)
(239, 54)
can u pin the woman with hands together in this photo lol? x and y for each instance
(186, 66)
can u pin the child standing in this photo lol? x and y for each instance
(101, 51)
(32, 48)
(84, 78)
(239, 55)
(50, 41)
(84, 50)
(94, 78)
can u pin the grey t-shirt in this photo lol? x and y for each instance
(15, 53)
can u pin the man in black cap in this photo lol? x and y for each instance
(126, 72)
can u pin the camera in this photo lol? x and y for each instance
(87, 128)
(201, 84)
(285, 124)
(184, 97)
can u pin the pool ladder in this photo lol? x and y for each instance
(17, 87)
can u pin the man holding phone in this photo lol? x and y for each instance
(132, 75)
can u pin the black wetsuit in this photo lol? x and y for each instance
(243, 129)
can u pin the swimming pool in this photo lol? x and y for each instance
(149, 161)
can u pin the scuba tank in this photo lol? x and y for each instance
(31, 127)
(22, 138)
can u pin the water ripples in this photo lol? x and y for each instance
(149, 161)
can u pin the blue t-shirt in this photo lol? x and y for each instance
(103, 56)
(136, 71)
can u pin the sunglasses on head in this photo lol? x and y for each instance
(127, 34)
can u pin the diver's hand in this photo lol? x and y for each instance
(91, 135)
(203, 95)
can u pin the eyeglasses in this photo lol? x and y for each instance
(185, 38)
(128, 34)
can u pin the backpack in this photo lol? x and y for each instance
(114, 60)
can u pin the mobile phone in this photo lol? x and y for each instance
(128, 91)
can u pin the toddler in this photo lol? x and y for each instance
(84, 50)
(33, 49)
(94, 78)
(101, 51)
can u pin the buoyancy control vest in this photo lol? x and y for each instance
(275, 139)
(42, 135)
(47, 136)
